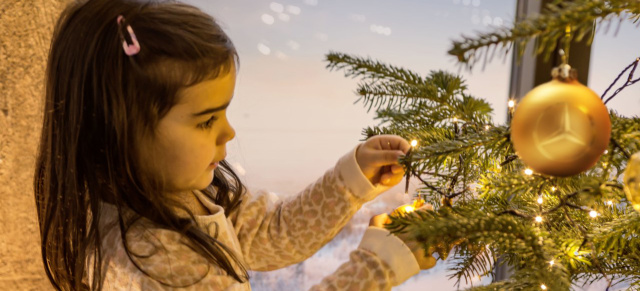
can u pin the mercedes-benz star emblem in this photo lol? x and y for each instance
(563, 133)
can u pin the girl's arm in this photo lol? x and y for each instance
(275, 234)
(381, 261)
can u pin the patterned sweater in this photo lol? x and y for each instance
(265, 234)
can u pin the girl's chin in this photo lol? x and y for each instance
(212, 166)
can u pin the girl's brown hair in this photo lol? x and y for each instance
(99, 103)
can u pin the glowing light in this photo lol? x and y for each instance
(497, 21)
(609, 202)
(265, 50)
(593, 213)
(281, 55)
(552, 262)
(553, 189)
(455, 119)
(294, 45)
(239, 169)
(475, 19)
(539, 199)
(276, 7)
(606, 152)
(511, 103)
(414, 143)
(487, 20)
(321, 36)
(408, 208)
(295, 10)
(486, 127)
(538, 218)
(543, 287)
(268, 19)
(284, 17)
(528, 172)
(379, 29)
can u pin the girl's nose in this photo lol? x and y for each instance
(227, 134)
(232, 133)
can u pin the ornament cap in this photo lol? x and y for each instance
(564, 73)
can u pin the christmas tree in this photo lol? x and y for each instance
(556, 213)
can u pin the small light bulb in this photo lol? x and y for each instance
(511, 103)
(553, 189)
(538, 218)
(609, 202)
(606, 152)
(539, 199)
(486, 127)
(543, 287)
(414, 143)
(407, 209)
(593, 213)
(455, 119)
(552, 262)
(528, 172)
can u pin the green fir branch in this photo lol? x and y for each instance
(469, 171)
(546, 28)
(505, 234)
(368, 69)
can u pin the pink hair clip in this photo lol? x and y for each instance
(133, 48)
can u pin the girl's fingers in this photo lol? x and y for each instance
(384, 158)
(426, 206)
(397, 169)
(427, 262)
(390, 142)
(379, 220)
(389, 179)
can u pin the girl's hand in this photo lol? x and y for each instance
(425, 261)
(378, 159)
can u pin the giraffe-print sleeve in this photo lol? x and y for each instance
(381, 261)
(275, 234)
(363, 271)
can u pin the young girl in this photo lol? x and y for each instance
(132, 188)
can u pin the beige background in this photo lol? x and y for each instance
(25, 32)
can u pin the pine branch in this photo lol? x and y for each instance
(546, 28)
(471, 263)
(369, 69)
(504, 233)
(469, 171)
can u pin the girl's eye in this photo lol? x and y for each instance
(207, 124)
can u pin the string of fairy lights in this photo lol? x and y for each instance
(538, 218)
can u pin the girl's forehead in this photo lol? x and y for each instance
(209, 92)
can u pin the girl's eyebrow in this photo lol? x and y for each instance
(211, 110)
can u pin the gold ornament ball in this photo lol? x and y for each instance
(632, 181)
(560, 128)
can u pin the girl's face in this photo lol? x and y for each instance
(190, 140)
